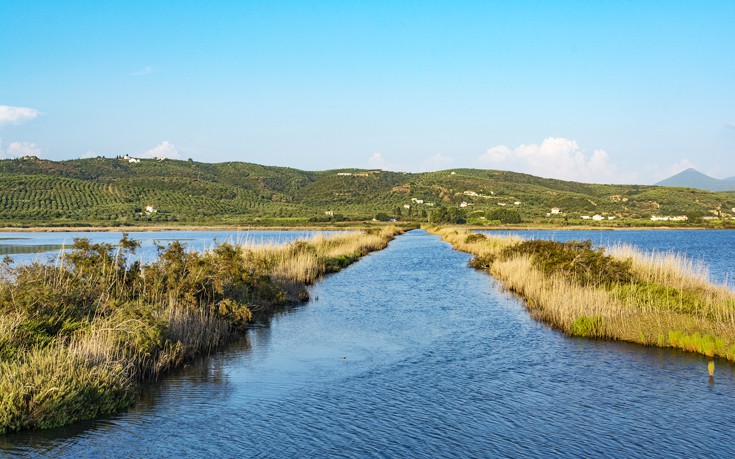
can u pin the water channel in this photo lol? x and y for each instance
(410, 353)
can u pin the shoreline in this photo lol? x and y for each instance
(156, 318)
(346, 227)
(150, 229)
(622, 294)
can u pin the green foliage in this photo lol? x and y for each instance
(696, 342)
(504, 215)
(590, 327)
(575, 260)
(51, 387)
(76, 337)
(451, 215)
(474, 238)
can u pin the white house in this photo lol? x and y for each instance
(344, 174)
(470, 193)
(517, 203)
(150, 210)
(555, 210)
(597, 217)
(407, 206)
(585, 217)
(464, 204)
(130, 159)
(329, 213)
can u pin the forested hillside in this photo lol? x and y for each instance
(116, 191)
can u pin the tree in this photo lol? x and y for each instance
(504, 215)
(447, 215)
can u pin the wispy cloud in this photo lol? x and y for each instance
(16, 115)
(557, 157)
(436, 162)
(163, 150)
(663, 172)
(433, 163)
(18, 149)
(730, 125)
(144, 71)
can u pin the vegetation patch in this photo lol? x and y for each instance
(574, 260)
(78, 336)
(621, 293)
(590, 327)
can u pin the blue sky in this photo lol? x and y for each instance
(620, 91)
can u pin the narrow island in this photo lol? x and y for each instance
(78, 337)
(620, 293)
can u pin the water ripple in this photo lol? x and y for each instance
(411, 354)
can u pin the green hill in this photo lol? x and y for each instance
(110, 191)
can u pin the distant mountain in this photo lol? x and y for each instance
(692, 178)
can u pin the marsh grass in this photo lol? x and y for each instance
(657, 299)
(78, 336)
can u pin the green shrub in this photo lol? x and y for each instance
(575, 260)
(504, 215)
(586, 326)
(474, 237)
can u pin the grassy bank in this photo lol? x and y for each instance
(79, 336)
(622, 294)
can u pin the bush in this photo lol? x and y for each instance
(590, 327)
(504, 215)
(575, 260)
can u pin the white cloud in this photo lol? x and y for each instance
(18, 149)
(376, 161)
(144, 71)
(164, 150)
(557, 157)
(680, 166)
(660, 173)
(433, 163)
(730, 125)
(436, 162)
(16, 115)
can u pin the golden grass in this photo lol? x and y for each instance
(669, 303)
(304, 261)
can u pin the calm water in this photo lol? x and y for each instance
(716, 248)
(27, 247)
(409, 353)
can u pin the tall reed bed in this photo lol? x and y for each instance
(78, 337)
(659, 299)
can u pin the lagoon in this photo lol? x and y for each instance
(409, 353)
(29, 246)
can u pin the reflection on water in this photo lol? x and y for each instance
(13, 249)
(28, 247)
(409, 353)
